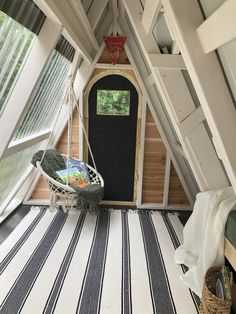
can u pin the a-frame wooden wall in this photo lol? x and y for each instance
(155, 157)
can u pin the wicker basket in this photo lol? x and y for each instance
(210, 304)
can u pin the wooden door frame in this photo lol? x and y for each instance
(131, 77)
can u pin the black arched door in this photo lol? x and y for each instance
(112, 134)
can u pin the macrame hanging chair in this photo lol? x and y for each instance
(86, 199)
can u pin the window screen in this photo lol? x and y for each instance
(47, 96)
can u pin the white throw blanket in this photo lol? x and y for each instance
(203, 236)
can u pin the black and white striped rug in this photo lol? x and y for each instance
(117, 262)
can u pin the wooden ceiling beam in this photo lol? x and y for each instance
(151, 10)
(95, 12)
(105, 27)
(219, 28)
(79, 11)
(121, 8)
(135, 11)
(62, 13)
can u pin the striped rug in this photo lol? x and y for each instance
(117, 262)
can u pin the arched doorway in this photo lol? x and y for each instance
(113, 104)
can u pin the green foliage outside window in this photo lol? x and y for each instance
(113, 102)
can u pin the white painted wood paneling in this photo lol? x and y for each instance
(186, 118)
(176, 97)
(206, 164)
(219, 28)
(151, 11)
(167, 61)
(175, 90)
(227, 52)
(207, 78)
(190, 123)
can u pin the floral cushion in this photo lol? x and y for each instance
(77, 175)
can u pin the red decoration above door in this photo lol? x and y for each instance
(115, 45)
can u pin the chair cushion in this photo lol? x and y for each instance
(76, 177)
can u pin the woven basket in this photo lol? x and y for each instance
(210, 304)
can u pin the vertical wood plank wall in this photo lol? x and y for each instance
(153, 167)
(176, 191)
(154, 163)
(41, 191)
(106, 58)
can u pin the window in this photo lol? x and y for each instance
(39, 115)
(15, 44)
(113, 102)
(12, 168)
(20, 23)
(48, 93)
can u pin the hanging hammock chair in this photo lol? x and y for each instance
(48, 161)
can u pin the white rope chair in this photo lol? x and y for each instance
(63, 192)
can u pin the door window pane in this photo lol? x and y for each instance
(113, 102)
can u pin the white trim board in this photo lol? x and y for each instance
(167, 61)
(167, 181)
(95, 12)
(113, 67)
(18, 145)
(141, 152)
(151, 10)
(219, 28)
